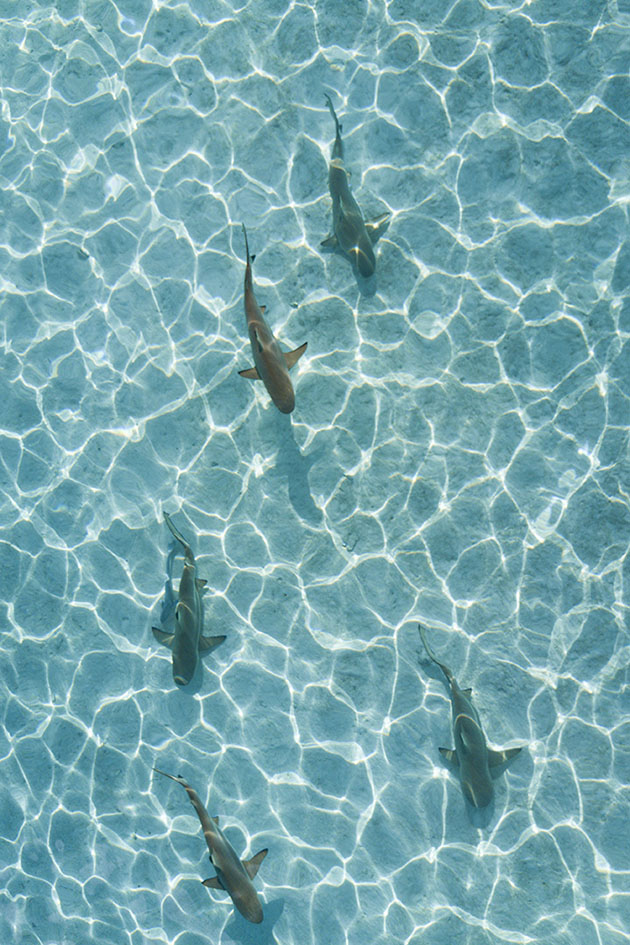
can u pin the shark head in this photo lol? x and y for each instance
(282, 394)
(248, 903)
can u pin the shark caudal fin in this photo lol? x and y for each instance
(173, 777)
(338, 125)
(178, 535)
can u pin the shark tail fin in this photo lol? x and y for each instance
(292, 356)
(423, 637)
(171, 776)
(248, 258)
(252, 866)
(338, 125)
(178, 535)
(433, 657)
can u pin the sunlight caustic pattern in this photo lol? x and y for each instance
(458, 455)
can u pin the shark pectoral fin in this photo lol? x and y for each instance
(331, 242)
(263, 309)
(467, 692)
(375, 227)
(251, 373)
(208, 643)
(252, 866)
(497, 760)
(214, 883)
(292, 356)
(216, 820)
(450, 755)
(162, 636)
(200, 582)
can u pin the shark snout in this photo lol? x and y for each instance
(286, 405)
(255, 915)
(180, 681)
(248, 905)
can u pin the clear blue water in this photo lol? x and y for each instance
(458, 455)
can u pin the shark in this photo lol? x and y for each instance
(233, 875)
(169, 603)
(271, 364)
(187, 640)
(351, 234)
(476, 763)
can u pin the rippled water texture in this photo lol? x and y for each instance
(458, 455)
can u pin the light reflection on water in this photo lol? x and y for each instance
(458, 455)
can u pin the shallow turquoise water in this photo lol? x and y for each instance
(458, 455)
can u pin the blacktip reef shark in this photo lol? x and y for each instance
(350, 233)
(477, 764)
(233, 875)
(187, 640)
(271, 364)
